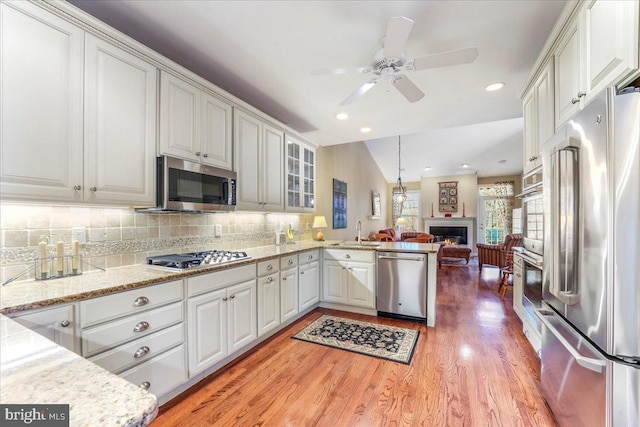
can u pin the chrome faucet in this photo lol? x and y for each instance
(359, 227)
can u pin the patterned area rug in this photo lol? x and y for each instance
(386, 342)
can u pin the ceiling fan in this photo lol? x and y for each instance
(391, 61)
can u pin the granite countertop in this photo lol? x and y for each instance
(21, 296)
(35, 370)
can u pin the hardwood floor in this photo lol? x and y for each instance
(475, 368)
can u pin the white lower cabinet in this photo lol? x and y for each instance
(140, 332)
(223, 319)
(160, 374)
(288, 293)
(308, 285)
(57, 324)
(517, 286)
(348, 277)
(268, 303)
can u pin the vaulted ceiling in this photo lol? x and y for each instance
(264, 52)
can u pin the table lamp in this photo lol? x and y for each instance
(319, 222)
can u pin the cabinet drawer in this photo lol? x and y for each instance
(220, 279)
(98, 310)
(140, 350)
(350, 255)
(160, 374)
(288, 261)
(308, 257)
(99, 338)
(268, 267)
(532, 335)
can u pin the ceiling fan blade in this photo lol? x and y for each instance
(445, 59)
(351, 70)
(398, 30)
(408, 89)
(358, 93)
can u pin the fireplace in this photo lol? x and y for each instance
(452, 235)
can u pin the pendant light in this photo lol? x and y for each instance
(399, 194)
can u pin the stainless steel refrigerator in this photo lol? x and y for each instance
(590, 354)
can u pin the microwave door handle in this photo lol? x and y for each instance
(225, 192)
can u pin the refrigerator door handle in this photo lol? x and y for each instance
(595, 365)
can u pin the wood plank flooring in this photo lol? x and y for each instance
(475, 368)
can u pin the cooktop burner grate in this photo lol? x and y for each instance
(191, 260)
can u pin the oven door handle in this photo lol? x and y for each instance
(595, 365)
(530, 193)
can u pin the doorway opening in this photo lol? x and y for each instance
(495, 209)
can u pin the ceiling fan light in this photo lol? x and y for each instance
(494, 86)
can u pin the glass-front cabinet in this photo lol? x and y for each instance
(300, 176)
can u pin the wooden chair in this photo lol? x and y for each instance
(494, 254)
(383, 237)
(408, 236)
(505, 272)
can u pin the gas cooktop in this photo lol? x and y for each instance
(191, 260)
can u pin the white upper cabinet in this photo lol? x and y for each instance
(194, 125)
(537, 109)
(599, 49)
(568, 91)
(258, 158)
(610, 41)
(300, 176)
(41, 104)
(120, 126)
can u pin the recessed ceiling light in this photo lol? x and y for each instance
(464, 165)
(494, 86)
(365, 130)
(342, 116)
(428, 168)
(502, 161)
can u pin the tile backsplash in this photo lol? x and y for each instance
(118, 237)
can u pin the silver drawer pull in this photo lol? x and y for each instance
(65, 323)
(310, 256)
(142, 326)
(140, 301)
(145, 385)
(290, 262)
(232, 296)
(302, 272)
(269, 279)
(142, 351)
(347, 256)
(269, 267)
(225, 298)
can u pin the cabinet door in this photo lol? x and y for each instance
(309, 179)
(611, 42)
(179, 118)
(529, 113)
(268, 303)
(288, 293)
(120, 126)
(160, 374)
(271, 169)
(544, 108)
(308, 285)
(247, 144)
(57, 324)
(293, 174)
(242, 320)
(206, 330)
(567, 76)
(517, 286)
(41, 73)
(361, 291)
(334, 282)
(216, 132)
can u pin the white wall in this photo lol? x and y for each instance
(467, 194)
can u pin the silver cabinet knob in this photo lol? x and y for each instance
(225, 298)
(302, 272)
(65, 323)
(197, 153)
(140, 327)
(575, 100)
(232, 296)
(205, 155)
(145, 385)
(310, 256)
(269, 279)
(290, 262)
(269, 267)
(581, 94)
(93, 189)
(77, 187)
(142, 351)
(347, 256)
(140, 301)
(518, 274)
(284, 278)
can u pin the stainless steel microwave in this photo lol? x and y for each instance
(188, 186)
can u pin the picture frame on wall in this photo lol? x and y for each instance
(376, 204)
(448, 197)
(339, 204)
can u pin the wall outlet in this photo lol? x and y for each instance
(79, 234)
(217, 230)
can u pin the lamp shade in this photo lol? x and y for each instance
(401, 221)
(319, 222)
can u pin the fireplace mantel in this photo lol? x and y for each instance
(456, 221)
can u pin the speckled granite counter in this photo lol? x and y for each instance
(20, 296)
(36, 370)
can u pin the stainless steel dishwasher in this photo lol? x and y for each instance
(401, 279)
